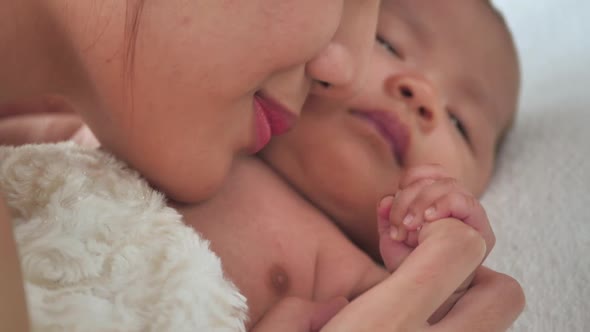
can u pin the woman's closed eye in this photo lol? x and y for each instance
(388, 46)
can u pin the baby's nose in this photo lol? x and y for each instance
(420, 96)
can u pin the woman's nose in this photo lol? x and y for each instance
(339, 70)
(420, 97)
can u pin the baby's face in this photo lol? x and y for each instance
(442, 88)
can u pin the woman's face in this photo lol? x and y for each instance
(203, 81)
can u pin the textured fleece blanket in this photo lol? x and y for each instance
(101, 251)
(539, 201)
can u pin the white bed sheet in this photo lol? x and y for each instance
(539, 199)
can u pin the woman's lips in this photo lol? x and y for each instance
(395, 133)
(271, 119)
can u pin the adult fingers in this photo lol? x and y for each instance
(299, 315)
(85, 137)
(448, 253)
(492, 304)
(450, 302)
(38, 128)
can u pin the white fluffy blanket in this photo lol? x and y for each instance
(101, 251)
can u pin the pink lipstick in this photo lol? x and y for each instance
(271, 118)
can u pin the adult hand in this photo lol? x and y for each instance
(44, 120)
(492, 303)
(298, 315)
(449, 251)
(428, 193)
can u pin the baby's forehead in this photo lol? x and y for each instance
(468, 38)
(466, 46)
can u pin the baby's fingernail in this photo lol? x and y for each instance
(430, 212)
(396, 194)
(393, 233)
(408, 219)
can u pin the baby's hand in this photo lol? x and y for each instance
(426, 194)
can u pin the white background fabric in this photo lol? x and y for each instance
(539, 200)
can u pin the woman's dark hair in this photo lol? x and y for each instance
(133, 16)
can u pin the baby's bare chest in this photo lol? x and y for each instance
(268, 258)
(270, 242)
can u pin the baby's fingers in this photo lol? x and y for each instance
(399, 206)
(423, 203)
(392, 252)
(415, 174)
(465, 207)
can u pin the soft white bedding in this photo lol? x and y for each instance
(101, 251)
(539, 200)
